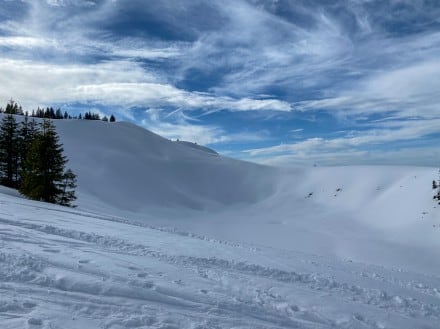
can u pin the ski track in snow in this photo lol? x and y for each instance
(70, 269)
(171, 230)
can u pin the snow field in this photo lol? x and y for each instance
(68, 269)
(172, 235)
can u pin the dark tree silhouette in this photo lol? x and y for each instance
(13, 108)
(9, 152)
(43, 174)
(67, 186)
(26, 134)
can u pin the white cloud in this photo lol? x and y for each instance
(182, 129)
(353, 144)
(157, 53)
(409, 91)
(264, 50)
(24, 42)
(347, 63)
(118, 83)
(419, 156)
(61, 3)
(34, 84)
(156, 94)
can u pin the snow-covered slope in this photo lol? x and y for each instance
(198, 147)
(130, 168)
(168, 235)
(66, 268)
(381, 215)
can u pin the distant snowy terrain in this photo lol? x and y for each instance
(133, 169)
(168, 235)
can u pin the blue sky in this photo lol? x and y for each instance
(277, 81)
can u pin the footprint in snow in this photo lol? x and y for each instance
(148, 285)
(84, 261)
(35, 322)
(54, 251)
(29, 305)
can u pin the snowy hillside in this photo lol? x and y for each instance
(168, 235)
(130, 168)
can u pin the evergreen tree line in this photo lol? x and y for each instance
(96, 116)
(32, 160)
(50, 113)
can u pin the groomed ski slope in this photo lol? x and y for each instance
(167, 235)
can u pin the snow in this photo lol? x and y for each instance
(168, 235)
(133, 169)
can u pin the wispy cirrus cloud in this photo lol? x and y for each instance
(355, 143)
(410, 91)
(411, 156)
(299, 71)
(23, 42)
(115, 83)
(183, 127)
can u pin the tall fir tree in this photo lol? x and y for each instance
(26, 134)
(13, 108)
(67, 186)
(43, 173)
(9, 151)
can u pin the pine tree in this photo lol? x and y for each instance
(51, 113)
(13, 108)
(68, 186)
(9, 153)
(112, 118)
(58, 114)
(26, 135)
(43, 172)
